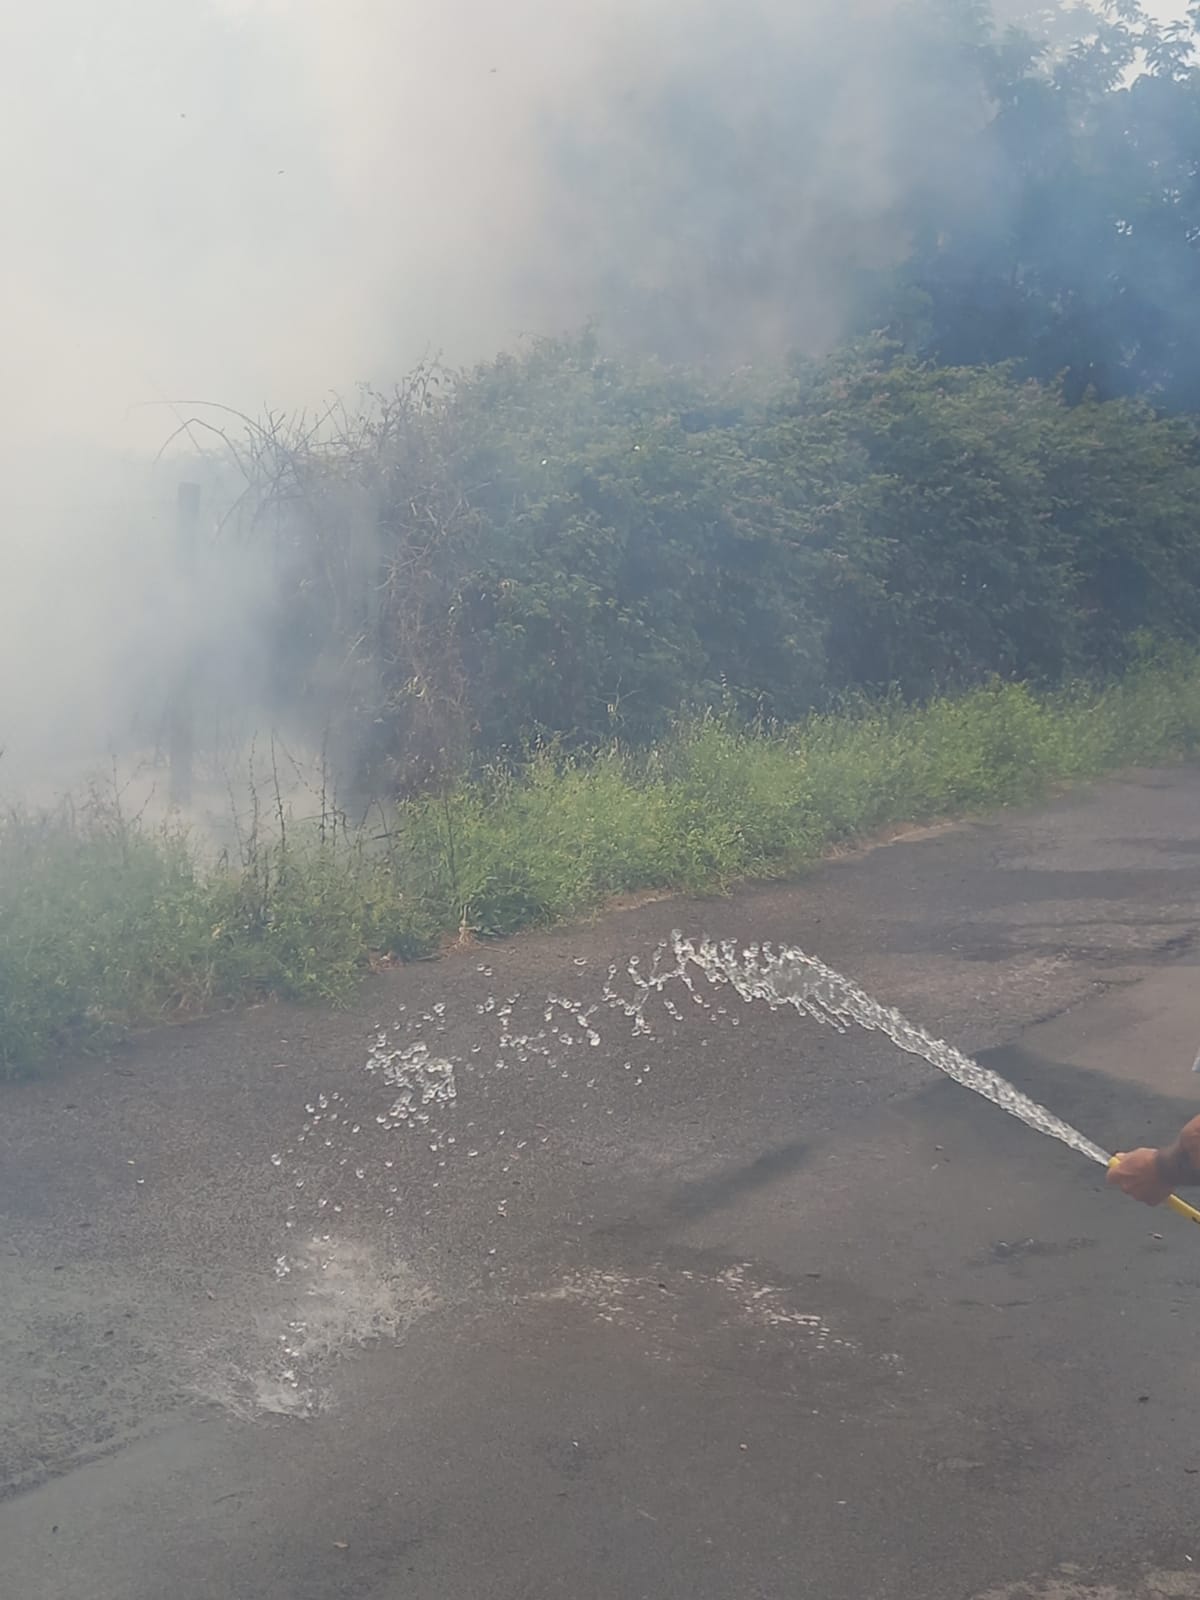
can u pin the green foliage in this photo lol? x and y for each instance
(106, 925)
(987, 183)
(873, 523)
(101, 924)
(635, 554)
(571, 546)
(574, 549)
(976, 525)
(1081, 262)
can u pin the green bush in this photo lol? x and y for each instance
(570, 548)
(107, 924)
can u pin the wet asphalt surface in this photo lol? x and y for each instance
(729, 1306)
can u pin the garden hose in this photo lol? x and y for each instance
(1172, 1202)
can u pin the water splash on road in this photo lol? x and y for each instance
(333, 1296)
(435, 1080)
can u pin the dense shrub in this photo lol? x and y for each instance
(566, 547)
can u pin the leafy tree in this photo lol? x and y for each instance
(1080, 254)
(573, 547)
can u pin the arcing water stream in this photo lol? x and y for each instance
(789, 977)
(428, 1092)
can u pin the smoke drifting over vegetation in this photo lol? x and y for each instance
(256, 201)
(887, 412)
(262, 202)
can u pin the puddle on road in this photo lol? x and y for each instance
(91, 1352)
(332, 1297)
(735, 1298)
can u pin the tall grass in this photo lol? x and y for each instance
(107, 924)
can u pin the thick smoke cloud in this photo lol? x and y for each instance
(258, 200)
(261, 201)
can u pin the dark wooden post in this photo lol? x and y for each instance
(182, 708)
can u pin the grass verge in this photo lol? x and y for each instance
(107, 924)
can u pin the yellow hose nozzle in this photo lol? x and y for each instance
(1173, 1202)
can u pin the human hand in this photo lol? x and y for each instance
(1139, 1174)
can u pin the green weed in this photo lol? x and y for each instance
(107, 924)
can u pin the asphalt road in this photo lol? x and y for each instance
(721, 1306)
